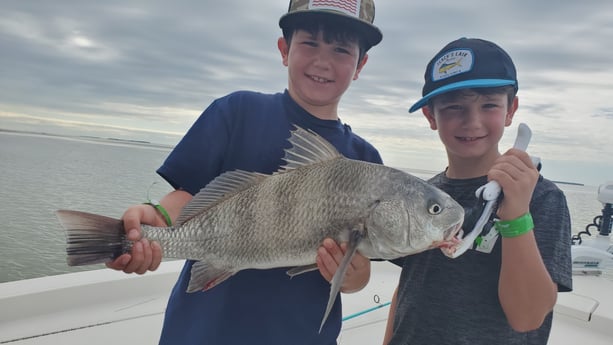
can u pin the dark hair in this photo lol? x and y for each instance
(509, 90)
(333, 31)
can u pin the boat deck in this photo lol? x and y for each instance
(108, 307)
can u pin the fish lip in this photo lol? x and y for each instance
(455, 230)
(453, 241)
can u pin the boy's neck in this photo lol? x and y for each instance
(465, 168)
(322, 112)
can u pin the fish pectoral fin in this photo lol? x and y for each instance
(204, 276)
(301, 269)
(335, 285)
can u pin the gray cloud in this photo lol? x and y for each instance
(155, 65)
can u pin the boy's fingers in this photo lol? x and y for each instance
(329, 255)
(147, 257)
(131, 222)
(334, 250)
(133, 235)
(359, 261)
(137, 258)
(132, 229)
(119, 263)
(322, 261)
(156, 259)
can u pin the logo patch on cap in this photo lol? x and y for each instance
(452, 63)
(350, 7)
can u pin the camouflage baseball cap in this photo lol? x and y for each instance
(359, 12)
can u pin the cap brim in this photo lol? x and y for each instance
(371, 33)
(467, 84)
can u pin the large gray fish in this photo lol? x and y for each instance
(244, 220)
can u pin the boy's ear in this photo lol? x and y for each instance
(512, 109)
(283, 49)
(427, 111)
(360, 66)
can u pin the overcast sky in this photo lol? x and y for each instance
(145, 70)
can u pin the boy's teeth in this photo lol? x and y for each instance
(319, 80)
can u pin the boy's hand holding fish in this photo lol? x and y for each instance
(329, 257)
(145, 256)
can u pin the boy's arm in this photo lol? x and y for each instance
(146, 256)
(525, 289)
(389, 327)
(330, 255)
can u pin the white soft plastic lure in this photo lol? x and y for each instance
(490, 192)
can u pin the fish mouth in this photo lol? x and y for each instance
(452, 240)
(458, 244)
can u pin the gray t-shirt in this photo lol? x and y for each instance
(455, 301)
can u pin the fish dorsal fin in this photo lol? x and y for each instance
(307, 148)
(223, 186)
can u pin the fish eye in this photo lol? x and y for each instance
(435, 208)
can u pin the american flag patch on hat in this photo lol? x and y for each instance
(350, 7)
(358, 15)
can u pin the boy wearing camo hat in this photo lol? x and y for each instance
(324, 47)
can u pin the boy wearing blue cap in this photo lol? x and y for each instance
(501, 291)
(324, 47)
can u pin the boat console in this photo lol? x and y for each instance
(593, 254)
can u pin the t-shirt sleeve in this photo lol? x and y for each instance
(198, 157)
(552, 230)
(373, 156)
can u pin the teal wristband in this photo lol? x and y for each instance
(515, 227)
(160, 209)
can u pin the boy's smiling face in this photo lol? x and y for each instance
(319, 72)
(471, 124)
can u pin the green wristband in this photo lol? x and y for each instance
(515, 227)
(160, 209)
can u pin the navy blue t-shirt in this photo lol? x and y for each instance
(249, 131)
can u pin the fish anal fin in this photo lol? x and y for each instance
(205, 277)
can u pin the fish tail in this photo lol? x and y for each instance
(91, 238)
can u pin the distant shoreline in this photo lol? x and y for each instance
(145, 143)
(570, 183)
(91, 138)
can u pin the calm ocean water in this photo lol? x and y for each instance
(40, 174)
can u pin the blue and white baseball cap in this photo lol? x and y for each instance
(467, 63)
